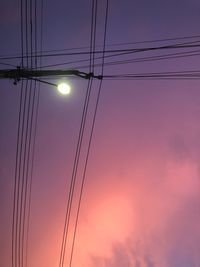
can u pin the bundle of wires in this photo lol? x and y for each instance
(26, 136)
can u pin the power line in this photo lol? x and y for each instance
(15, 217)
(131, 61)
(16, 183)
(90, 138)
(7, 64)
(195, 74)
(115, 52)
(24, 144)
(114, 44)
(80, 136)
(36, 109)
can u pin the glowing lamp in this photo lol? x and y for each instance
(64, 88)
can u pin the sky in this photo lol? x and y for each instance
(141, 200)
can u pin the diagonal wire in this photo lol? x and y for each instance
(115, 52)
(80, 138)
(90, 139)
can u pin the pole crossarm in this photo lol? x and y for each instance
(22, 73)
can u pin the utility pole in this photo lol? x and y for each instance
(31, 74)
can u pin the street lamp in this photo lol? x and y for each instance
(64, 88)
(37, 75)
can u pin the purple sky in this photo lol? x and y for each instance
(141, 200)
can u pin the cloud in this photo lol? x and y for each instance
(140, 206)
(143, 216)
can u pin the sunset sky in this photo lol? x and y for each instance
(141, 200)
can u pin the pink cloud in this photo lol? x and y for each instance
(147, 211)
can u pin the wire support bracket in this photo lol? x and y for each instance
(22, 73)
